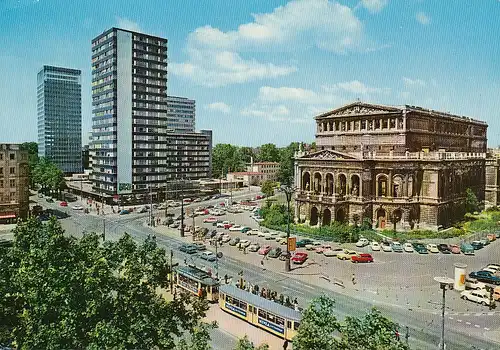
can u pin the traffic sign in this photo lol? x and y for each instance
(292, 244)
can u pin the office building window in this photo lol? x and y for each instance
(12, 170)
(12, 182)
(12, 156)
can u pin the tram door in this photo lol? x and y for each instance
(252, 315)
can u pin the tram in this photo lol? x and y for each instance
(196, 281)
(275, 318)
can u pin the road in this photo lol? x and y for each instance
(423, 323)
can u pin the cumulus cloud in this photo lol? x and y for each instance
(355, 87)
(279, 113)
(422, 18)
(270, 94)
(414, 82)
(217, 57)
(219, 107)
(127, 24)
(374, 6)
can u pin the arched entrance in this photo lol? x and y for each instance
(327, 217)
(306, 181)
(313, 219)
(381, 218)
(342, 185)
(341, 215)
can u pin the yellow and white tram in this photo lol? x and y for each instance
(266, 314)
(196, 281)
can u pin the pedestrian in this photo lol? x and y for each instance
(244, 250)
(397, 335)
(353, 279)
(285, 344)
(226, 277)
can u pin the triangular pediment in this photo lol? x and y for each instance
(359, 108)
(328, 154)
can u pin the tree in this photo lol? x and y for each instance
(226, 157)
(286, 170)
(48, 176)
(267, 188)
(320, 329)
(245, 344)
(269, 153)
(248, 154)
(471, 201)
(60, 292)
(32, 148)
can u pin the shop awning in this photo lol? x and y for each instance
(7, 216)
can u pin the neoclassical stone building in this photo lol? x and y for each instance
(404, 166)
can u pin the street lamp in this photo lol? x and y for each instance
(444, 283)
(288, 192)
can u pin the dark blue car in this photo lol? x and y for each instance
(485, 276)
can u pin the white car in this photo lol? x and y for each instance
(253, 232)
(493, 267)
(332, 251)
(243, 243)
(208, 255)
(313, 246)
(226, 238)
(273, 234)
(478, 296)
(77, 207)
(492, 271)
(386, 247)
(375, 246)
(235, 228)
(432, 248)
(254, 247)
(363, 242)
(407, 247)
(474, 284)
(263, 233)
(280, 236)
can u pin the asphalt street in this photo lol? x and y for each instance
(424, 330)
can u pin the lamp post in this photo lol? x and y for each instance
(444, 283)
(288, 192)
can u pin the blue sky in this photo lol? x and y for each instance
(260, 70)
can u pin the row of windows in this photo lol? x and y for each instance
(12, 183)
(236, 302)
(12, 170)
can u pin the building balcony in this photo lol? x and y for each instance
(423, 156)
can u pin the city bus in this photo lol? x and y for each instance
(196, 281)
(275, 318)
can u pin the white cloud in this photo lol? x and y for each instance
(270, 94)
(414, 82)
(422, 18)
(127, 24)
(355, 87)
(374, 6)
(279, 113)
(215, 57)
(219, 107)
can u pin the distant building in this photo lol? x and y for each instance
(397, 166)
(181, 114)
(14, 183)
(246, 178)
(269, 169)
(141, 137)
(86, 157)
(60, 117)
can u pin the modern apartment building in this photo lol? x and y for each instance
(181, 114)
(134, 146)
(14, 190)
(60, 117)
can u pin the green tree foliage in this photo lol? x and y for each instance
(286, 170)
(471, 201)
(32, 148)
(247, 154)
(48, 176)
(320, 330)
(269, 153)
(57, 292)
(245, 344)
(226, 157)
(267, 188)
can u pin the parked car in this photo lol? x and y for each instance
(227, 226)
(244, 243)
(284, 255)
(200, 246)
(491, 237)
(346, 254)
(264, 250)
(493, 271)
(245, 229)
(375, 246)
(408, 247)
(253, 232)
(235, 228)
(432, 248)
(210, 220)
(143, 210)
(496, 294)
(208, 255)
(467, 248)
(472, 283)
(225, 238)
(275, 252)
(362, 242)
(320, 249)
(386, 246)
(63, 204)
(455, 249)
(479, 296)
(79, 207)
(234, 241)
(254, 247)
(188, 248)
(485, 276)
(49, 200)
(313, 245)
(303, 242)
(444, 248)
(299, 258)
(495, 267)
(332, 252)
(420, 248)
(361, 258)
(397, 247)
(476, 245)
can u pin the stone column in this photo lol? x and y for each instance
(381, 123)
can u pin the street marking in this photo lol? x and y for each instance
(451, 318)
(486, 329)
(465, 314)
(491, 313)
(468, 323)
(459, 320)
(477, 326)
(478, 314)
(305, 285)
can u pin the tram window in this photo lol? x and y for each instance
(280, 321)
(289, 324)
(223, 296)
(262, 313)
(215, 289)
(229, 299)
(296, 325)
(270, 317)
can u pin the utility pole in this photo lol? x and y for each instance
(103, 229)
(166, 201)
(194, 231)
(171, 271)
(182, 211)
(216, 259)
(151, 223)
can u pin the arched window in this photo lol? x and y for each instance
(355, 183)
(397, 186)
(382, 186)
(342, 185)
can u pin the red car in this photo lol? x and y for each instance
(64, 204)
(299, 258)
(227, 226)
(259, 197)
(455, 249)
(362, 258)
(210, 219)
(264, 250)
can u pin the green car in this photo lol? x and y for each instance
(303, 242)
(420, 248)
(245, 229)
